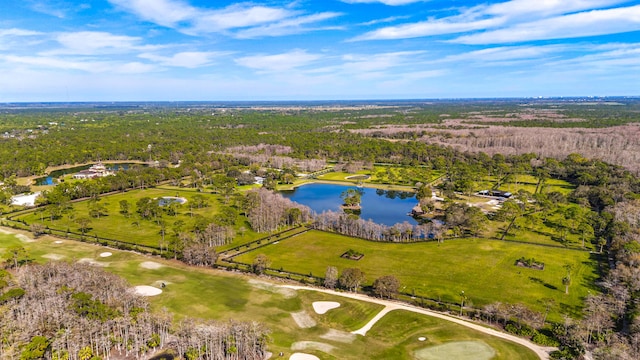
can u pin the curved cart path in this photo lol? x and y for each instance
(541, 351)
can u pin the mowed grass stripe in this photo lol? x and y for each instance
(484, 269)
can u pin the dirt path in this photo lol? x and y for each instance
(541, 351)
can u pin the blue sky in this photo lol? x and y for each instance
(139, 50)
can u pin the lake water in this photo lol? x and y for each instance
(51, 178)
(381, 206)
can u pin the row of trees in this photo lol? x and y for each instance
(268, 211)
(351, 278)
(351, 225)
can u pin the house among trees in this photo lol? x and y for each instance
(496, 193)
(95, 171)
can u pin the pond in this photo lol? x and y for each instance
(51, 179)
(166, 200)
(381, 206)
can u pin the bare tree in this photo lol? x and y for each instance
(331, 277)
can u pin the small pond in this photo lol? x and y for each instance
(166, 200)
(51, 179)
(381, 206)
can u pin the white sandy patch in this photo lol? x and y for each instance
(92, 262)
(422, 338)
(312, 345)
(321, 307)
(303, 356)
(146, 290)
(303, 319)
(151, 265)
(53, 256)
(287, 293)
(24, 238)
(105, 254)
(3, 231)
(58, 242)
(493, 202)
(339, 336)
(25, 199)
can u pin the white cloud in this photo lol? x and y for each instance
(374, 66)
(429, 28)
(591, 23)
(238, 16)
(18, 32)
(162, 12)
(278, 62)
(360, 63)
(515, 8)
(386, 2)
(187, 59)
(604, 58)
(385, 20)
(505, 15)
(243, 17)
(58, 8)
(94, 42)
(505, 53)
(288, 26)
(78, 64)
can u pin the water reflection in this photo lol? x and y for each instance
(381, 206)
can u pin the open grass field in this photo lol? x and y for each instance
(484, 269)
(213, 294)
(379, 174)
(130, 227)
(528, 183)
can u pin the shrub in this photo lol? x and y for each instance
(544, 340)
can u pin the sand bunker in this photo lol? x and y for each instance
(303, 319)
(53, 256)
(339, 336)
(105, 254)
(303, 356)
(92, 262)
(422, 338)
(287, 293)
(58, 242)
(459, 350)
(150, 265)
(24, 238)
(145, 290)
(321, 307)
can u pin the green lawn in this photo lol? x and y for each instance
(527, 183)
(131, 228)
(484, 269)
(410, 327)
(213, 294)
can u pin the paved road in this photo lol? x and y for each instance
(541, 351)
